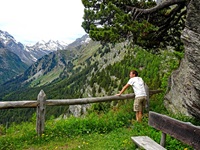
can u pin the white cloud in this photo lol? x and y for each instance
(35, 20)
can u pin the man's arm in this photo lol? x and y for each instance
(123, 89)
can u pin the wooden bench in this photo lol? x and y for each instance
(183, 131)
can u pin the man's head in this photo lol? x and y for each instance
(133, 73)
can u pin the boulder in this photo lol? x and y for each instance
(183, 95)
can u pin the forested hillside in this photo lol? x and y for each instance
(102, 72)
(10, 65)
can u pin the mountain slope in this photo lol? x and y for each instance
(87, 57)
(30, 53)
(10, 65)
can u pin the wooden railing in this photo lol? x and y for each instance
(41, 104)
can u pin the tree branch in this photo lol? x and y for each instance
(171, 17)
(165, 4)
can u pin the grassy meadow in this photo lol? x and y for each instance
(109, 129)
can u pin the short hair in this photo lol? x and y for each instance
(134, 72)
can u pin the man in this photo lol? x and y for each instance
(137, 84)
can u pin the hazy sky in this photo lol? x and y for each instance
(30, 21)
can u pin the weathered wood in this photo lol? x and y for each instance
(18, 104)
(88, 100)
(163, 139)
(147, 98)
(185, 132)
(152, 92)
(146, 143)
(40, 113)
(57, 102)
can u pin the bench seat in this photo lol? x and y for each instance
(146, 143)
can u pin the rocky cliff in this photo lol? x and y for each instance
(183, 95)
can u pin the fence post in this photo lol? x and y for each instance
(40, 121)
(147, 92)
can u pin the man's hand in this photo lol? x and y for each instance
(123, 89)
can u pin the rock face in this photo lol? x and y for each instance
(183, 95)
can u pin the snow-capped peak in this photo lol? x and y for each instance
(5, 37)
(49, 46)
(31, 53)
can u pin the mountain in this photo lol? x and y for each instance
(16, 47)
(85, 39)
(53, 66)
(47, 46)
(16, 57)
(10, 64)
(30, 53)
(81, 54)
(42, 48)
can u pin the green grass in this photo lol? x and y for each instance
(47, 78)
(110, 130)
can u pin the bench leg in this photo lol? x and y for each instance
(163, 139)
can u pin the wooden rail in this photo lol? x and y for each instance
(59, 102)
(41, 104)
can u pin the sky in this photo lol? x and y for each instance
(30, 21)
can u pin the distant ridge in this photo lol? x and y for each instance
(15, 57)
(31, 53)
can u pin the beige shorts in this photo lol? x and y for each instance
(139, 103)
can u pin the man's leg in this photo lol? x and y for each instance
(139, 117)
(137, 114)
(135, 108)
(138, 108)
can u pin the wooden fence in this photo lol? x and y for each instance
(41, 104)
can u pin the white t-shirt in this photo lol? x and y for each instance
(138, 86)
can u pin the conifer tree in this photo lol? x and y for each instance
(142, 22)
